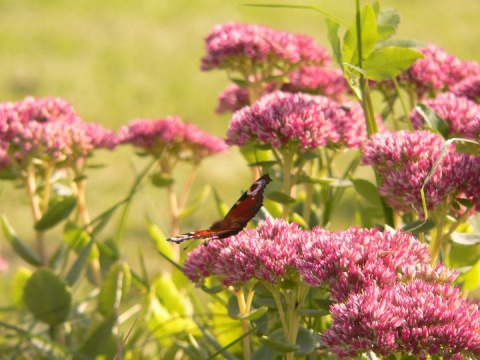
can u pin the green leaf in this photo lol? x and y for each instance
(48, 297)
(368, 25)
(222, 208)
(387, 22)
(267, 164)
(256, 152)
(419, 226)
(115, 286)
(280, 197)
(332, 182)
(213, 290)
(471, 279)
(432, 120)
(463, 255)
(305, 342)
(56, 213)
(297, 218)
(313, 312)
(404, 43)
(234, 311)
(20, 248)
(334, 39)
(467, 147)
(18, 285)
(75, 236)
(304, 345)
(79, 264)
(466, 239)
(388, 62)
(169, 295)
(277, 344)
(98, 339)
(368, 191)
(232, 307)
(254, 314)
(161, 180)
(263, 353)
(160, 240)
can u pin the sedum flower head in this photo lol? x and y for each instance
(419, 318)
(469, 88)
(316, 80)
(461, 114)
(49, 130)
(256, 49)
(436, 72)
(183, 140)
(404, 159)
(349, 261)
(300, 120)
(267, 253)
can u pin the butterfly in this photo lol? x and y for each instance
(237, 217)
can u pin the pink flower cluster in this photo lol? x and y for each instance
(461, 114)
(438, 71)
(47, 129)
(267, 253)
(469, 88)
(404, 159)
(183, 140)
(316, 80)
(389, 299)
(352, 260)
(243, 48)
(418, 318)
(305, 121)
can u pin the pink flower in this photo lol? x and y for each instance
(469, 88)
(256, 49)
(47, 129)
(420, 318)
(307, 121)
(349, 261)
(318, 80)
(404, 159)
(233, 98)
(437, 71)
(267, 253)
(183, 140)
(461, 114)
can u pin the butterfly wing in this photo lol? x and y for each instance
(237, 217)
(248, 205)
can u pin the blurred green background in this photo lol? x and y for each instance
(119, 60)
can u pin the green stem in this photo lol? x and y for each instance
(287, 179)
(187, 187)
(126, 209)
(437, 238)
(307, 205)
(50, 167)
(31, 186)
(244, 307)
(274, 290)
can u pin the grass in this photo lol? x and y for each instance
(118, 60)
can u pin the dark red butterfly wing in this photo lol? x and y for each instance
(237, 217)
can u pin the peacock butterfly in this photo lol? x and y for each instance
(237, 217)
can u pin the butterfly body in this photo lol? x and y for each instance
(237, 217)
